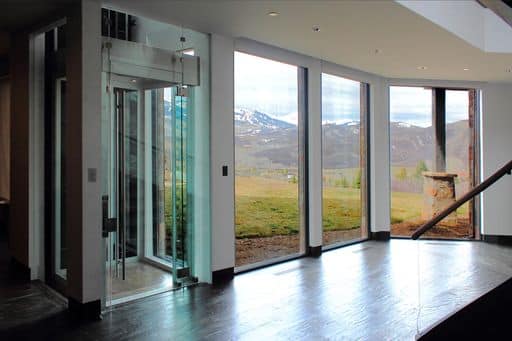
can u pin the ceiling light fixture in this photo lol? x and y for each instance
(422, 67)
(273, 14)
(134, 80)
(466, 69)
(316, 28)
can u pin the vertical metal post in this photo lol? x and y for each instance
(302, 81)
(364, 98)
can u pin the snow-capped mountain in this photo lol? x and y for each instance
(261, 121)
(260, 138)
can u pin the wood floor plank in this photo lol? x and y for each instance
(365, 291)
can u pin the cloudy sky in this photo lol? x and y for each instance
(271, 87)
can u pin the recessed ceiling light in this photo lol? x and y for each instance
(316, 28)
(273, 14)
(466, 69)
(422, 67)
(134, 80)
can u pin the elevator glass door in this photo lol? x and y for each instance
(147, 154)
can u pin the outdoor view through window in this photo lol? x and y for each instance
(416, 187)
(343, 160)
(267, 178)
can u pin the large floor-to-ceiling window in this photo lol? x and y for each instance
(344, 180)
(432, 135)
(268, 160)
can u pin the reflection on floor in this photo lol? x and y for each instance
(366, 291)
(142, 279)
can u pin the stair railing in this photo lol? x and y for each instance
(507, 169)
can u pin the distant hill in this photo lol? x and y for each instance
(262, 141)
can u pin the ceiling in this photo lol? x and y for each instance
(350, 33)
(16, 14)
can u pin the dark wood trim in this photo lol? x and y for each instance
(223, 276)
(381, 235)
(90, 311)
(365, 158)
(303, 148)
(497, 239)
(471, 153)
(19, 270)
(314, 251)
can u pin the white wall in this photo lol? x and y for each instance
(496, 125)
(380, 200)
(92, 266)
(479, 26)
(222, 153)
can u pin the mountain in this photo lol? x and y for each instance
(410, 144)
(248, 121)
(262, 141)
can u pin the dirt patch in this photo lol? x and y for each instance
(463, 230)
(253, 250)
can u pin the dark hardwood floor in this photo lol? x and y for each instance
(365, 291)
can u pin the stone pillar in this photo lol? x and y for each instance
(438, 194)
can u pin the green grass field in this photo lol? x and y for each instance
(267, 207)
(407, 206)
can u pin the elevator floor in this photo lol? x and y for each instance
(142, 279)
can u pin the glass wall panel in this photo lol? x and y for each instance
(343, 160)
(412, 153)
(267, 172)
(460, 155)
(421, 187)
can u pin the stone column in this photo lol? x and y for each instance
(438, 194)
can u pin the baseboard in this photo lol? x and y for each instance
(19, 270)
(223, 276)
(497, 239)
(90, 311)
(381, 235)
(314, 251)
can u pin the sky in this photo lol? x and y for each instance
(271, 87)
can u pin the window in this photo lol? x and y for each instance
(432, 154)
(268, 149)
(344, 187)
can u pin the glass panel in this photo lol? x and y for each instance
(171, 165)
(343, 160)
(459, 157)
(412, 153)
(266, 160)
(130, 134)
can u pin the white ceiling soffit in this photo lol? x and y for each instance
(468, 20)
(381, 37)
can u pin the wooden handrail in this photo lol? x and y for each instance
(466, 197)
